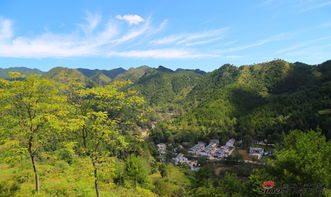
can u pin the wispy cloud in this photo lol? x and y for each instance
(160, 54)
(5, 29)
(277, 37)
(243, 47)
(57, 45)
(187, 39)
(134, 33)
(99, 38)
(204, 41)
(93, 20)
(131, 19)
(301, 45)
(315, 5)
(299, 6)
(328, 24)
(168, 39)
(266, 3)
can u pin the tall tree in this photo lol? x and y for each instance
(107, 116)
(34, 111)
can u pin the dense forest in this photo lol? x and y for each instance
(83, 132)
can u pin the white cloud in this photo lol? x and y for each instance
(204, 41)
(328, 24)
(131, 19)
(278, 37)
(5, 29)
(303, 44)
(266, 2)
(168, 39)
(160, 54)
(99, 38)
(134, 33)
(185, 38)
(243, 47)
(201, 35)
(93, 20)
(315, 5)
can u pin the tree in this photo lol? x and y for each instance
(105, 118)
(137, 170)
(33, 111)
(303, 158)
(164, 171)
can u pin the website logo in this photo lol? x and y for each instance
(268, 184)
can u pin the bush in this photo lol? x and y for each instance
(8, 188)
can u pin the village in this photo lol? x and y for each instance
(214, 152)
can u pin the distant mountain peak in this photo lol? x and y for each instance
(164, 69)
(198, 71)
(109, 73)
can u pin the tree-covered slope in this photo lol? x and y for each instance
(133, 74)
(261, 101)
(101, 79)
(161, 87)
(23, 70)
(109, 73)
(59, 73)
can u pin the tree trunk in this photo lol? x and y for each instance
(96, 184)
(36, 176)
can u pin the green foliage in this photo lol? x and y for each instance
(133, 74)
(109, 73)
(228, 185)
(8, 188)
(83, 133)
(61, 74)
(262, 100)
(137, 171)
(4, 72)
(101, 79)
(303, 158)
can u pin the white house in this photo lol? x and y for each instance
(161, 148)
(230, 142)
(179, 159)
(197, 148)
(256, 151)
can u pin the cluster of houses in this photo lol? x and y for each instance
(180, 158)
(213, 151)
(259, 152)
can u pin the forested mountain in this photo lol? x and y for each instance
(261, 101)
(198, 71)
(23, 70)
(80, 132)
(133, 74)
(58, 73)
(101, 79)
(159, 86)
(109, 73)
(164, 90)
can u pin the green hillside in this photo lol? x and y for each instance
(133, 74)
(109, 73)
(261, 101)
(23, 70)
(164, 91)
(101, 79)
(166, 87)
(58, 73)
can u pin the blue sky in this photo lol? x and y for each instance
(107, 34)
